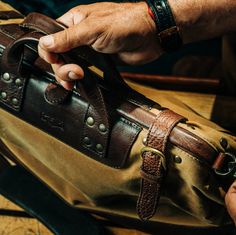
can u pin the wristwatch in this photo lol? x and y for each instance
(168, 32)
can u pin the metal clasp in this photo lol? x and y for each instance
(157, 152)
(230, 167)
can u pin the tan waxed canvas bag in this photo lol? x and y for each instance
(104, 147)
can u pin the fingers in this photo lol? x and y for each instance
(51, 58)
(67, 39)
(66, 74)
(230, 201)
(50, 46)
(74, 16)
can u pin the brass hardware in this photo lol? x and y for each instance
(15, 101)
(157, 152)
(145, 141)
(102, 128)
(90, 121)
(18, 82)
(3, 95)
(87, 141)
(223, 143)
(6, 77)
(177, 159)
(99, 147)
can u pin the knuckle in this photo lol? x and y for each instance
(62, 41)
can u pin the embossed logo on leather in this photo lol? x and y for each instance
(52, 121)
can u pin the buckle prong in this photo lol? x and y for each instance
(157, 152)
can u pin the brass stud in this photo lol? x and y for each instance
(99, 147)
(102, 128)
(145, 141)
(6, 77)
(18, 82)
(15, 101)
(223, 142)
(87, 141)
(90, 121)
(3, 95)
(177, 159)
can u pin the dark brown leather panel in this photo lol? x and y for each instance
(55, 94)
(123, 135)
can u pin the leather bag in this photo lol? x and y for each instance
(103, 147)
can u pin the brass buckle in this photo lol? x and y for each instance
(157, 152)
(230, 168)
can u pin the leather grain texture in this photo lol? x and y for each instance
(152, 169)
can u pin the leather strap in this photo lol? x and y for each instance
(152, 169)
(6, 15)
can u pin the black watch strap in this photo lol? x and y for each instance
(168, 32)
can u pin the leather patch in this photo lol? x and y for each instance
(11, 90)
(56, 94)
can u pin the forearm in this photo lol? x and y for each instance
(204, 19)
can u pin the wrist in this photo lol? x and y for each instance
(167, 31)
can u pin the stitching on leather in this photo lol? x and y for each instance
(202, 138)
(34, 27)
(192, 157)
(7, 33)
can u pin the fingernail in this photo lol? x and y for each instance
(73, 76)
(47, 41)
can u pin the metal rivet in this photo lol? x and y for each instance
(87, 141)
(177, 159)
(99, 147)
(3, 95)
(224, 143)
(6, 76)
(15, 101)
(90, 121)
(102, 128)
(145, 141)
(18, 82)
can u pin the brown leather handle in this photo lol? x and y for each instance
(12, 59)
(13, 54)
(84, 54)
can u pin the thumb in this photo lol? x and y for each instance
(72, 37)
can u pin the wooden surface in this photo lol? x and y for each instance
(18, 225)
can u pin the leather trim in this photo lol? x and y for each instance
(6, 15)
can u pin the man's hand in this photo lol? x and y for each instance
(127, 30)
(124, 29)
(230, 201)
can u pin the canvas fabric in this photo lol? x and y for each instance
(191, 195)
